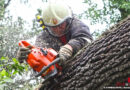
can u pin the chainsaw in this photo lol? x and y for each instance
(42, 60)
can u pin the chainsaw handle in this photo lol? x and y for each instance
(45, 68)
(25, 44)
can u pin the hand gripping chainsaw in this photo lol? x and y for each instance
(42, 60)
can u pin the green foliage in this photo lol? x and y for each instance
(111, 12)
(96, 34)
(105, 12)
(122, 5)
(8, 70)
(11, 32)
(3, 6)
(2, 9)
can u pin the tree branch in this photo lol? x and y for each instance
(7, 4)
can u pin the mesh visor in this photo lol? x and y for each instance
(59, 30)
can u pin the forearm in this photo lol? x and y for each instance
(78, 43)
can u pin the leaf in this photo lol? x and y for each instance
(3, 72)
(3, 58)
(21, 68)
(26, 67)
(15, 72)
(7, 79)
(15, 60)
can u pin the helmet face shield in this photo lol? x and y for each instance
(58, 30)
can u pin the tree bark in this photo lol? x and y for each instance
(103, 63)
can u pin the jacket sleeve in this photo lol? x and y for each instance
(80, 35)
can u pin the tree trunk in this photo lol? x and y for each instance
(102, 64)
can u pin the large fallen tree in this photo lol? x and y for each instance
(103, 63)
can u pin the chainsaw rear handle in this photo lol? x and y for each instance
(47, 67)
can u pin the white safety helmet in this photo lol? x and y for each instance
(56, 13)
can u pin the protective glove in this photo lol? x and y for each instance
(23, 53)
(44, 86)
(65, 53)
(39, 87)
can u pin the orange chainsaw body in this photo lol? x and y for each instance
(37, 59)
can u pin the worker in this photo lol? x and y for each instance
(64, 33)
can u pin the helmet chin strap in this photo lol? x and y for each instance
(69, 22)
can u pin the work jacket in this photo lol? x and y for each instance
(78, 36)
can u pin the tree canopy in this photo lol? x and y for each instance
(109, 11)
